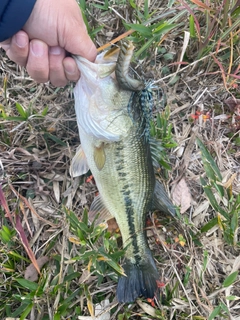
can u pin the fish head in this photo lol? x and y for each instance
(100, 104)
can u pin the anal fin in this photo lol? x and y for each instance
(98, 207)
(161, 200)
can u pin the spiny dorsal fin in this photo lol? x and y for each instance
(79, 164)
(99, 156)
(161, 200)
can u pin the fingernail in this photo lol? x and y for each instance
(37, 48)
(20, 40)
(55, 50)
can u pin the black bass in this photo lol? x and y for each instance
(113, 114)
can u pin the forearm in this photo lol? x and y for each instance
(13, 16)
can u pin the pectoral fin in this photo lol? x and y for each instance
(99, 156)
(98, 207)
(79, 164)
(161, 200)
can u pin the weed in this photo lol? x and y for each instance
(97, 251)
(214, 27)
(227, 215)
(84, 6)
(96, 256)
(83, 258)
(161, 129)
(222, 309)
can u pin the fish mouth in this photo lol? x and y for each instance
(102, 67)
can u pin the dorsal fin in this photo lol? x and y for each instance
(156, 149)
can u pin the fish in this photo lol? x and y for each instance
(113, 112)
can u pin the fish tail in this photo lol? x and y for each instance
(140, 280)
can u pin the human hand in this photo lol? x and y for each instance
(54, 29)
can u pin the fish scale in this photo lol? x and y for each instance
(113, 113)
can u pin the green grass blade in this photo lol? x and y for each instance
(192, 27)
(32, 286)
(20, 309)
(215, 313)
(213, 222)
(21, 111)
(212, 199)
(26, 311)
(207, 158)
(235, 25)
(54, 138)
(143, 30)
(230, 279)
(146, 9)
(45, 111)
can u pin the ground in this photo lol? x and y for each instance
(197, 253)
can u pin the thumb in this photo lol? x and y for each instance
(78, 42)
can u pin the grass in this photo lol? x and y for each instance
(190, 49)
(65, 284)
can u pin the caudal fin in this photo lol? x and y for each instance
(140, 280)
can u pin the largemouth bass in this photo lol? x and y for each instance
(113, 113)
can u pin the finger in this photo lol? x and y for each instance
(83, 46)
(6, 44)
(17, 48)
(38, 61)
(71, 70)
(57, 74)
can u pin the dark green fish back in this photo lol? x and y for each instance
(140, 269)
(138, 181)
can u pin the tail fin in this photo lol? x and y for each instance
(141, 280)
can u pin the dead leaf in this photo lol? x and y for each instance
(112, 225)
(75, 240)
(102, 310)
(86, 277)
(90, 307)
(181, 195)
(146, 308)
(31, 272)
(24, 240)
(229, 182)
(56, 190)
